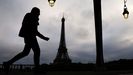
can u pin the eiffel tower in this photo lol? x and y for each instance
(62, 55)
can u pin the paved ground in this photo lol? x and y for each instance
(71, 73)
(126, 74)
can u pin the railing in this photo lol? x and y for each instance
(17, 67)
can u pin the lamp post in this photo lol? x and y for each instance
(125, 12)
(98, 31)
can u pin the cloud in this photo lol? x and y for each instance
(80, 29)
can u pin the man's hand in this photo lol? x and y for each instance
(46, 38)
(42, 37)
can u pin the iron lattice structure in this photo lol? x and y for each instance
(62, 54)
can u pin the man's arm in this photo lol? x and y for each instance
(41, 36)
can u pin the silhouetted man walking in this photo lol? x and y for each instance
(29, 31)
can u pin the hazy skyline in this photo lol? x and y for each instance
(80, 29)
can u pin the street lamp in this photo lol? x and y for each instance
(125, 12)
(51, 2)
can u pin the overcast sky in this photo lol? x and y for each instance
(80, 29)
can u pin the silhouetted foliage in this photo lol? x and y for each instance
(122, 64)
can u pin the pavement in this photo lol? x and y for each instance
(68, 73)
